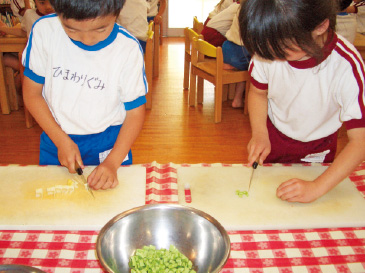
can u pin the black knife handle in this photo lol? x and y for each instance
(255, 164)
(78, 169)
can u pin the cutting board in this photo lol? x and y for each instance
(21, 209)
(213, 190)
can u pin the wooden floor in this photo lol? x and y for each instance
(173, 131)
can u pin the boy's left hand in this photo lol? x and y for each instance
(103, 177)
(297, 190)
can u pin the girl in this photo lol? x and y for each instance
(305, 83)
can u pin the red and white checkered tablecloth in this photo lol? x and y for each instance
(337, 250)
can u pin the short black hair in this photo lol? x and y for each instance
(87, 9)
(269, 27)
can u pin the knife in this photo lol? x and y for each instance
(254, 166)
(80, 172)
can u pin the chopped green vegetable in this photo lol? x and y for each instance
(150, 260)
(241, 193)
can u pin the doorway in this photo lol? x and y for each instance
(179, 15)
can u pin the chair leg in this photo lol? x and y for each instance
(245, 107)
(192, 89)
(218, 103)
(225, 92)
(10, 81)
(186, 70)
(156, 51)
(200, 92)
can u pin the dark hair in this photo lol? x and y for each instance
(87, 9)
(268, 27)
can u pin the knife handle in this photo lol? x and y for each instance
(78, 168)
(255, 164)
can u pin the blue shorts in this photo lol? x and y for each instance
(143, 45)
(93, 148)
(235, 55)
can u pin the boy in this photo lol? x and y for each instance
(85, 85)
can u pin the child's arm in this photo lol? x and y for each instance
(17, 31)
(68, 151)
(105, 175)
(297, 190)
(259, 146)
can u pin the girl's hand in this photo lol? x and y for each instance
(297, 190)
(103, 177)
(68, 154)
(259, 147)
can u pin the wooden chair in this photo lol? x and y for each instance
(158, 19)
(213, 72)
(189, 35)
(359, 43)
(148, 60)
(10, 82)
(197, 25)
(156, 47)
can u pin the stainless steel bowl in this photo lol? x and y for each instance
(194, 233)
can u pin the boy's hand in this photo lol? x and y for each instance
(259, 148)
(68, 154)
(297, 190)
(103, 177)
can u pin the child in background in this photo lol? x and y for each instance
(214, 32)
(155, 7)
(235, 56)
(358, 8)
(18, 7)
(133, 17)
(29, 17)
(43, 7)
(306, 83)
(222, 5)
(346, 22)
(85, 85)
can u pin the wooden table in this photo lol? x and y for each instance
(324, 250)
(11, 44)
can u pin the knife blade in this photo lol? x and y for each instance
(254, 166)
(80, 172)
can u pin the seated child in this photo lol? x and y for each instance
(28, 18)
(306, 82)
(236, 56)
(214, 32)
(346, 22)
(222, 5)
(85, 85)
(133, 18)
(155, 7)
(358, 8)
(18, 7)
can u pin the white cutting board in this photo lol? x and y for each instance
(20, 209)
(213, 190)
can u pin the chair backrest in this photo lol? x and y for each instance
(190, 34)
(197, 25)
(150, 28)
(148, 59)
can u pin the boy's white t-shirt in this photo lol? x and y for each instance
(133, 17)
(308, 101)
(87, 88)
